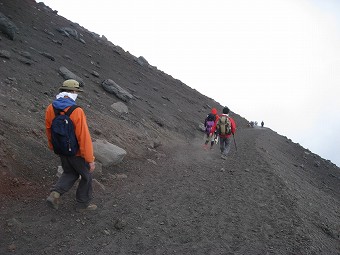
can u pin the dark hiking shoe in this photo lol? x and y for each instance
(53, 200)
(90, 207)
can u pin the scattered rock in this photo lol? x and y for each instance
(158, 122)
(317, 163)
(156, 143)
(108, 153)
(12, 80)
(7, 27)
(120, 107)
(56, 41)
(95, 74)
(48, 32)
(25, 54)
(96, 64)
(12, 248)
(5, 54)
(25, 61)
(120, 176)
(67, 74)
(113, 88)
(63, 31)
(120, 224)
(48, 55)
(152, 161)
(67, 57)
(68, 32)
(107, 232)
(142, 61)
(166, 98)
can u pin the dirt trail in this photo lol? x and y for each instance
(189, 202)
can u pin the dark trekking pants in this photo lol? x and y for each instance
(73, 168)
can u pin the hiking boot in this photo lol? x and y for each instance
(53, 200)
(223, 157)
(90, 207)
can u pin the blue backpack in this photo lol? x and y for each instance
(64, 139)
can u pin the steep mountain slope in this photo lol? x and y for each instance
(168, 196)
(29, 81)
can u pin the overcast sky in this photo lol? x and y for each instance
(271, 60)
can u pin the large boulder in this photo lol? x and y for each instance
(67, 74)
(113, 88)
(7, 27)
(107, 153)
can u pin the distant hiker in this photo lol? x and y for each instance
(262, 123)
(209, 124)
(75, 149)
(225, 127)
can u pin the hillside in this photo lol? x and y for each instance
(168, 196)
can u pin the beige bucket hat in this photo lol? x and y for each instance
(71, 85)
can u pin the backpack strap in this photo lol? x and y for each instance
(71, 109)
(68, 112)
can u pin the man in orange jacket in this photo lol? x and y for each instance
(82, 164)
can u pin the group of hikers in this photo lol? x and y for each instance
(254, 124)
(68, 136)
(219, 128)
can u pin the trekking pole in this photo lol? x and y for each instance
(235, 142)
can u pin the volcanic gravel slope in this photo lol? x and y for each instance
(169, 195)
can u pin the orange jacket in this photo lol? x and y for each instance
(81, 129)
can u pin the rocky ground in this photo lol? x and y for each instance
(186, 200)
(168, 195)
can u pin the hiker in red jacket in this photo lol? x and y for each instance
(225, 128)
(209, 123)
